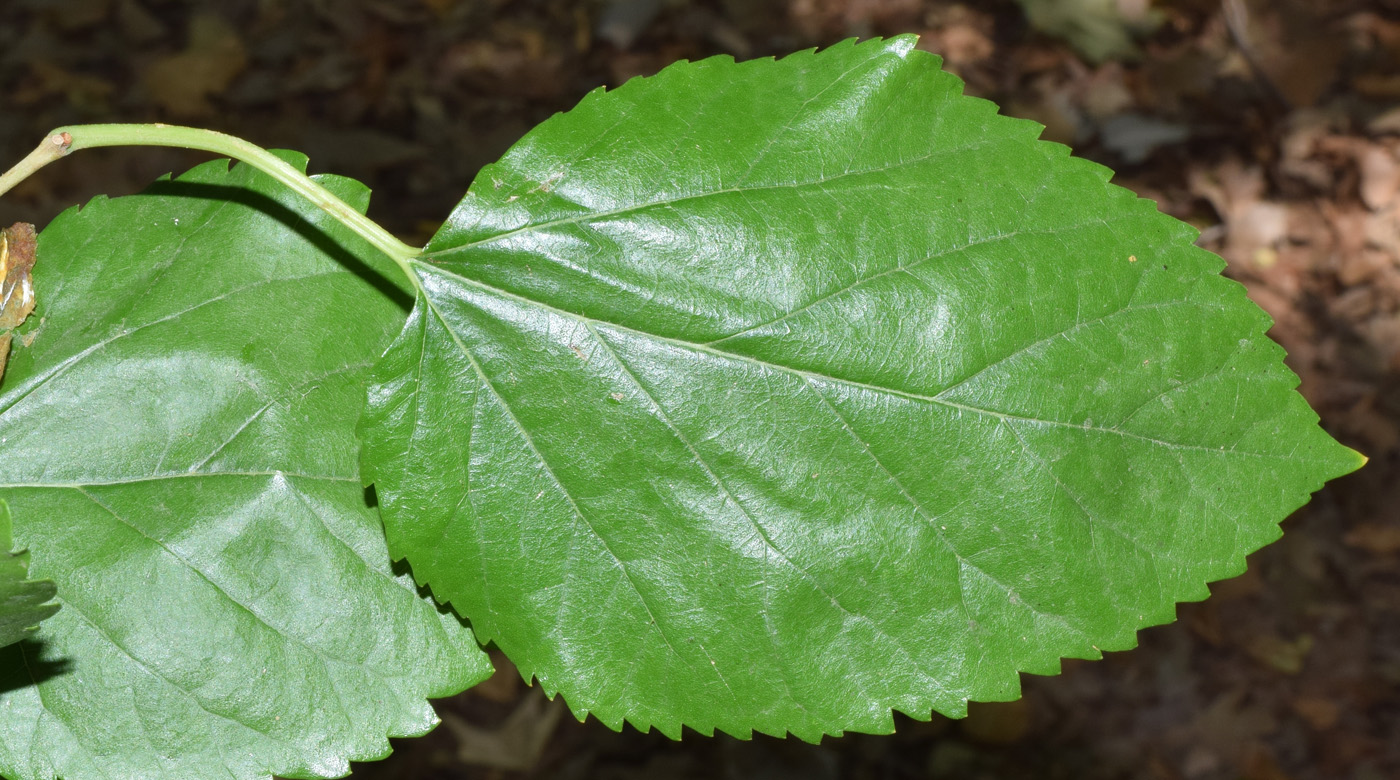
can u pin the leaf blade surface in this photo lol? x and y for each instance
(773, 396)
(179, 440)
(23, 602)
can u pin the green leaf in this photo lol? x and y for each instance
(23, 602)
(776, 395)
(178, 445)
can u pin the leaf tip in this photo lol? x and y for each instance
(902, 44)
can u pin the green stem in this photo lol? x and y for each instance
(64, 140)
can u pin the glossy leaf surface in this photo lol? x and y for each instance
(23, 602)
(178, 446)
(777, 395)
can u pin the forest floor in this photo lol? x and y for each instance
(1273, 126)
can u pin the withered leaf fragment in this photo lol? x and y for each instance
(16, 288)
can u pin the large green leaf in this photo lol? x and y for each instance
(178, 445)
(775, 395)
(23, 602)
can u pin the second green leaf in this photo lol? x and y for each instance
(775, 396)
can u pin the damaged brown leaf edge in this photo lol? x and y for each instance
(17, 244)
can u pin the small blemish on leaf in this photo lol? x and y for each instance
(27, 339)
(548, 184)
(617, 397)
(1132, 258)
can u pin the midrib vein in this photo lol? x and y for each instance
(820, 377)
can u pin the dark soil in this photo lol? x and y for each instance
(1273, 126)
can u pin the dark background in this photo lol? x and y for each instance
(1273, 126)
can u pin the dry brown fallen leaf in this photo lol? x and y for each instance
(519, 741)
(182, 83)
(16, 288)
(1375, 538)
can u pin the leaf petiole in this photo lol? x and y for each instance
(65, 140)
